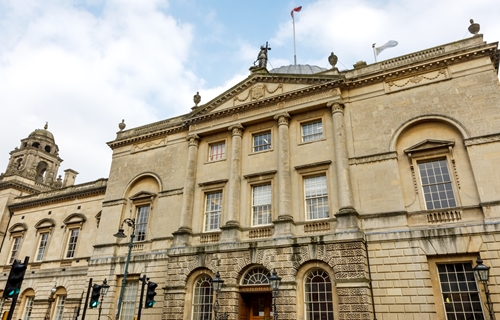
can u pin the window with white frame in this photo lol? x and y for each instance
(28, 308)
(129, 300)
(42, 246)
(203, 298)
(460, 291)
(437, 184)
(213, 211)
(261, 204)
(316, 197)
(141, 222)
(312, 131)
(16, 243)
(217, 151)
(61, 301)
(72, 241)
(262, 141)
(318, 296)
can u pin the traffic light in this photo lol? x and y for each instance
(94, 298)
(15, 280)
(150, 295)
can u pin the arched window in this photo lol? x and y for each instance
(256, 276)
(318, 295)
(203, 298)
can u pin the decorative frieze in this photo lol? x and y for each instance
(417, 80)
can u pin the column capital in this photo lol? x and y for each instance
(194, 139)
(236, 129)
(337, 106)
(282, 118)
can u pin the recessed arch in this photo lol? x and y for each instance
(431, 117)
(137, 179)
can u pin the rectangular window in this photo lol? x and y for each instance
(261, 205)
(129, 298)
(28, 308)
(217, 151)
(213, 211)
(42, 245)
(262, 141)
(73, 238)
(316, 195)
(141, 222)
(437, 184)
(15, 249)
(61, 301)
(460, 291)
(312, 131)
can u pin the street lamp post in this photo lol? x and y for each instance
(217, 286)
(121, 235)
(482, 273)
(51, 300)
(274, 282)
(104, 291)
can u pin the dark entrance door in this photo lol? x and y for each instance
(255, 306)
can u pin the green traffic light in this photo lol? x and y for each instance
(94, 304)
(151, 304)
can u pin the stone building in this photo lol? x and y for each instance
(370, 191)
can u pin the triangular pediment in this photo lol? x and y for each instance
(258, 88)
(142, 195)
(429, 144)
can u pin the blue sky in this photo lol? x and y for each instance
(85, 65)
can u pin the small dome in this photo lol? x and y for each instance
(298, 69)
(42, 132)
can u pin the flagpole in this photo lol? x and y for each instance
(294, 50)
(374, 55)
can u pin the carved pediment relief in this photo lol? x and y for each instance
(45, 224)
(75, 218)
(18, 228)
(428, 145)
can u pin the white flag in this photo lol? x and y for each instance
(389, 44)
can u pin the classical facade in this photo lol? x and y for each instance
(371, 192)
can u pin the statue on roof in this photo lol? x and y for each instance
(262, 57)
(474, 27)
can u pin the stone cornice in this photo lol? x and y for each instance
(482, 139)
(373, 158)
(91, 189)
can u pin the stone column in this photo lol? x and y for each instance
(181, 236)
(347, 217)
(230, 230)
(284, 224)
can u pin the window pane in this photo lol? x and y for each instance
(459, 290)
(129, 300)
(15, 249)
(217, 151)
(213, 211)
(141, 222)
(436, 184)
(73, 238)
(262, 142)
(312, 131)
(202, 298)
(61, 300)
(318, 295)
(316, 196)
(261, 205)
(41, 246)
(28, 309)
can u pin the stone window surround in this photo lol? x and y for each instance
(441, 150)
(193, 277)
(212, 187)
(433, 261)
(256, 179)
(306, 122)
(143, 199)
(257, 132)
(209, 149)
(309, 171)
(16, 231)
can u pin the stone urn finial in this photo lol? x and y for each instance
(196, 99)
(332, 59)
(122, 125)
(46, 126)
(474, 27)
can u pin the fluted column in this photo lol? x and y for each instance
(230, 230)
(181, 236)
(347, 217)
(284, 223)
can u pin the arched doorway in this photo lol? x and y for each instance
(255, 295)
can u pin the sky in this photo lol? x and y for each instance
(84, 65)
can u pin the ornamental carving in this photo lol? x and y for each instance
(418, 80)
(282, 118)
(258, 92)
(236, 130)
(194, 140)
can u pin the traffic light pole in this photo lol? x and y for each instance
(143, 284)
(14, 298)
(86, 299)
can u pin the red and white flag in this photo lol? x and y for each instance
(297, 9)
